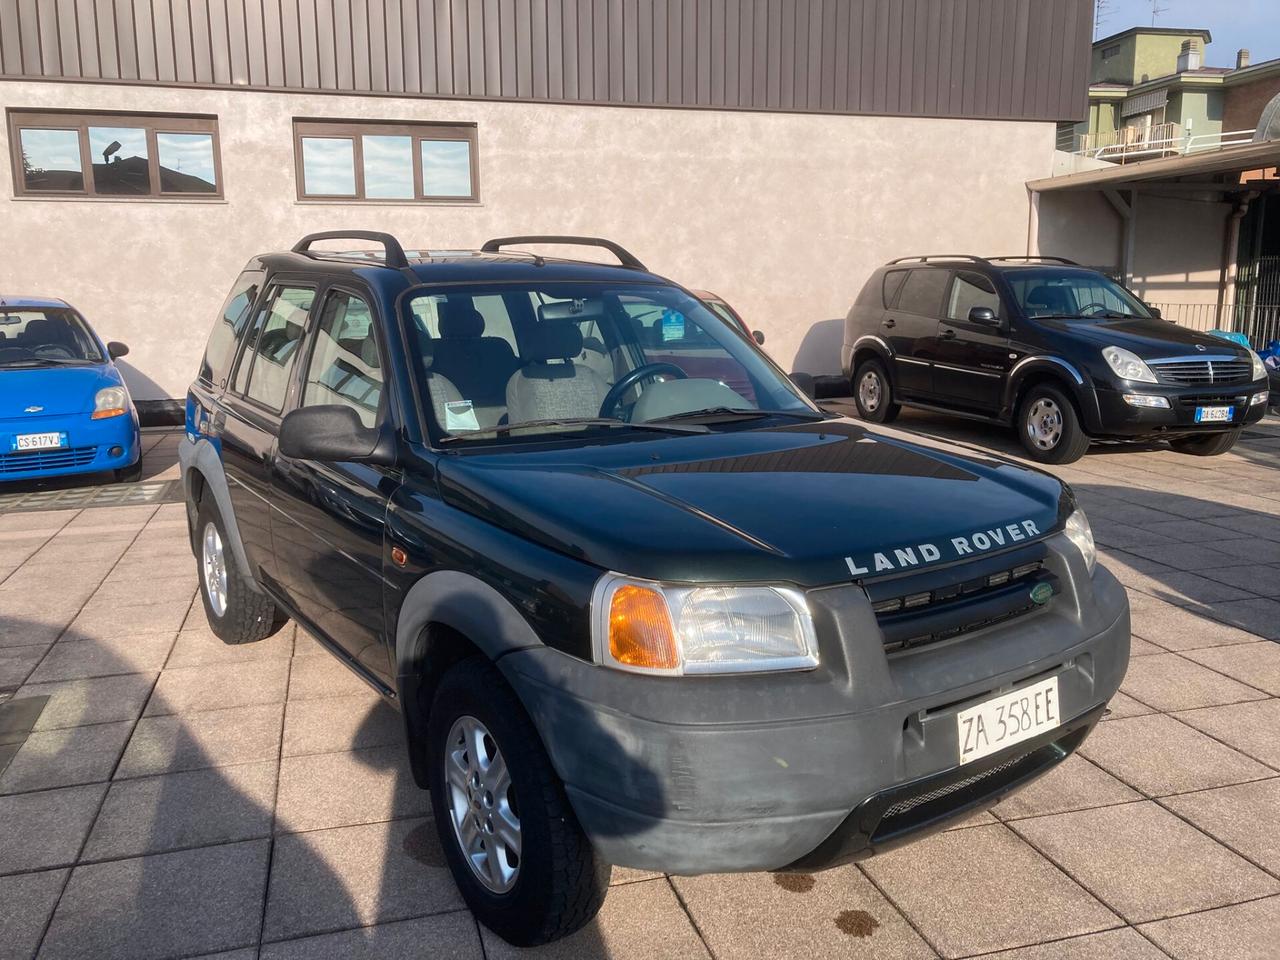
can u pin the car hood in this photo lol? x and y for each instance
(1149, 339)
(810, 504)
(58, 391)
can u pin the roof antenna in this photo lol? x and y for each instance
(1156, 10)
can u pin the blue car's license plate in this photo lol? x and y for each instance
(55, 440)
(1214, 414)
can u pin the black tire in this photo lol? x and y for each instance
(876, 402)
(1209, 445)
(130, 474)
(1047, 400)
(247, 616)
(560, 883)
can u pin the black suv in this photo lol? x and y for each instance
(638, 600)
(1060, 352)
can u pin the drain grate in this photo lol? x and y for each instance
(76, 498)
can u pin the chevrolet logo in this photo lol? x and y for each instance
(33, 409)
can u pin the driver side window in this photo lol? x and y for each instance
(969, 290)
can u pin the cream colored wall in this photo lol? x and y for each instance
(1179, 249)
(783, 214)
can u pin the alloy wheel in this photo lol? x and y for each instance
(482, 804)
(214, 566)
(1044, 424)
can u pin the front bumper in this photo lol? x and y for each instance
(88, 450)
(799, 771)
(1118, 418)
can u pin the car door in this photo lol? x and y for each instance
(251, 413)
(329, 520)
(972, 358)
(910, 326)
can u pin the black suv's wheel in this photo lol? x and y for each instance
(236, 612)
(872, 393)
(514, 846)
(1207, 446)
(1048, 426)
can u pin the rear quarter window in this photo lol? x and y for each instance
(922, 292)
(891, 285)
(229, 328)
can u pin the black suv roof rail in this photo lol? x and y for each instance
(393, 253)
(940, 256)
(625, 256)
(1029, 259)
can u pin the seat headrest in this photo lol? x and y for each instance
(553, 340)
(1045, 296)
(460, 322)
(369, 352)
(577, 310)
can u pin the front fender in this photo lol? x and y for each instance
(1076, 382)
(202, 456)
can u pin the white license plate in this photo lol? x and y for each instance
(39, 441)
(1008, 719)
(1214, 414)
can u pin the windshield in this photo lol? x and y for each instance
(555, 358)
(45, 336)
(1072, 294)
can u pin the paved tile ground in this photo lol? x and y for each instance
(177, 798)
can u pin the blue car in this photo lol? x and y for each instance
(64, 408)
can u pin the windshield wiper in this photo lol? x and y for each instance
(740, 413)
(508, 428)
(41, 362)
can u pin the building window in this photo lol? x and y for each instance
(1109, 52)
(396, 162)
(114, 155)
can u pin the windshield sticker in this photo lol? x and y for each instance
(672, 325)
(460, 415)
(980, 541)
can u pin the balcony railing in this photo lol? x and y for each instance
(1159, 140)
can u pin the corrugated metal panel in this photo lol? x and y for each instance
(970, 58)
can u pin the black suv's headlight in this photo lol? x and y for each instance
(1127, 365)
(657, 628)
(1259, 371)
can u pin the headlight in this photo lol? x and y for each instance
(655, 628)
(1079, 533)
(110, 402)
(1259, 368)
(1127, 366)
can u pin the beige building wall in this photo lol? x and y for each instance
(785, 215)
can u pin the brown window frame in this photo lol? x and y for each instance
(153, 124)
(356, 130)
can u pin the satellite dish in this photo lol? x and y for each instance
(1269, 122)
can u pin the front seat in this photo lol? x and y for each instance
(1048, 301)
(477, 365)
(551, 385)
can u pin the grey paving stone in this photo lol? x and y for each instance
(1247, 931)
(107, 619)
(215, 686)
(1260, 579)
(1183, 556)
(63, 758)
(1143, 648)
(79, 659)
(317, 677)
(451, 935)
(1246, 817)
(167, 905)
(1188, 531)
(74, 703)
(1252, 728)
(1122, 944)
(1075, 784)
(342, 789)
(28, 899)
(1257, 664)
(1266, 528)
(1253, 549)
(190, 809)
(340, 723)
(1158, 756)
(1176, 628)
(45, 829)
(1000, 893)
(200, 645)
(16, 664)
(1170, 682)
(328, 880)
(780, 916)
(158, 589)
(1185, 589)
(219, 737)
(1258, 615)
(1144, 862)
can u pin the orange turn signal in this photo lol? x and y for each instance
(104, 414)
(640, 631)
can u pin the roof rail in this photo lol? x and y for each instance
(1029, 258)
(940, 256)
(625, 256)
(393, 253)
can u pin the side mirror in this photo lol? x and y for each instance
(116, 349)
(758, 337)
(805, 382)
(333, 433)
(984, 315)
(1154, 311)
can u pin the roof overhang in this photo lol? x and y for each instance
(1252, 156)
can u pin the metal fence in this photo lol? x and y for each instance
(1260, 322)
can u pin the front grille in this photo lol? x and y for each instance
(1214, 400)
(907, 804)
(1197, 372)
(46, 459)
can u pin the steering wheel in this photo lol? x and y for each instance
(1089, 306)
(629, 380)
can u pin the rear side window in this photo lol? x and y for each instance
(229, 327)
(346, 367)
(922, 292)
(892, 284)
(970, 290)
(263, 374)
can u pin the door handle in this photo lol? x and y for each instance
(947, 334)
(890, 322)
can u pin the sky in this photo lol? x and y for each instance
(1254, 24)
